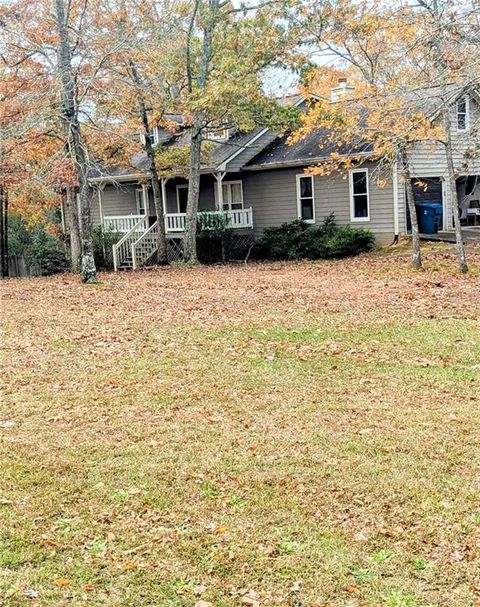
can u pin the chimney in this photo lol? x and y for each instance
(341, 91)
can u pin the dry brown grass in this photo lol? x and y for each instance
(293, 434)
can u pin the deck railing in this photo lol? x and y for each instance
(238, 218)
(121, 223)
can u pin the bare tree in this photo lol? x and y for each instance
(152, 167)
(75, 143)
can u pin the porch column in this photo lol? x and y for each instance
(396, 217)
(447, 205)
(163, 184)
(100, 188)
(146, 201)
(219, 175)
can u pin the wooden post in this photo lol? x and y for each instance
(100, 188)
(146, 202)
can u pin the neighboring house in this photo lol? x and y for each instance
(258, 180)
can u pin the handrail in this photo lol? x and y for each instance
(154, 225)
(123, 240)
(144, 237)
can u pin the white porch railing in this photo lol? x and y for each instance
(121, 223)
(238, 218)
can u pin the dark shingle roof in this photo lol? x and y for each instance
(219, 154)
(313, 147)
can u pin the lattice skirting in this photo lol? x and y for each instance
(237, 246)
(233, 247)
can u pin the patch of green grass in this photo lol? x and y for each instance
(383, 555)
(419, 563)
(62, 344)
(208, 490)
(397, 598)
(287, 546)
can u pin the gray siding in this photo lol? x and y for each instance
(273, 196)
(119, 200)
(430, 161)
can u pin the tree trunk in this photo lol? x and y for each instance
(436, 9)
(3, 233)
(74, 229)
(88, 273)
(211, 20)
(158, 204)
(156, 188)
(190, 238)
(416, 254)
(452, 189)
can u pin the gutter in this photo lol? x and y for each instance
(118, 178)
(293, 163)
(138, 177)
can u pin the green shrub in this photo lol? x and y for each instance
(346, 242)
(298, 240)
(212, 234)
(47, 253)
(43, 252)
(103, 241)
(282, 242)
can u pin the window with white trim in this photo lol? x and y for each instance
(217, 134)
(463, 114)
(140, 200)
(153, 136)
(232, 195)
(182, 197)
(359, 195)
(305, 198)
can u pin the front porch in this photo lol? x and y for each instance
(470, 235)
(175, 222)
(138, 243)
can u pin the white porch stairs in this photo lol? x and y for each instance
(135, 247)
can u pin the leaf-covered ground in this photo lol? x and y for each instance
(298, 435)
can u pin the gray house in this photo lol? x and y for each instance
(258, 180)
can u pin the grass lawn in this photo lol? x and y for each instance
(302, 435)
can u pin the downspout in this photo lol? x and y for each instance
(396, 217)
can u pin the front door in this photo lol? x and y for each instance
(182, 197)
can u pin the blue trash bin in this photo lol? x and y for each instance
(430, 217)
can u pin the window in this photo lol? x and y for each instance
(140, 200)
(463, 114)
(359, 196)
(217, 134)
(150, 136)
(232, 195)
(153, 136)
(182, 197)
(305, 198)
